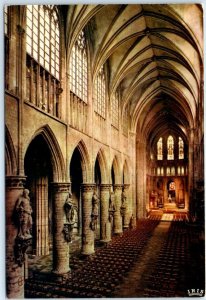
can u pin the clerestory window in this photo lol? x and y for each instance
(78, 68)
(100, 93)
(43, 37)
(115, 110)
(160, 149)
(170, 148)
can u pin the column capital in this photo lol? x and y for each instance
(88, 187)
(105, 187)
(126, 186)
(117, 186)
(14, 182)
(61, 186)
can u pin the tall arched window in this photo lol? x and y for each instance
(78, 68)
(181, 148)
(115, 110)
(42, 36)
(43, 57)
(170, 148)
(100, 93)
(159, 149)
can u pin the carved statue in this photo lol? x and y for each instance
(124, 203)
(69, 209)
(95, 211)
(23, 216)
(111, 206)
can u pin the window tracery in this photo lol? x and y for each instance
(160, 149)
(100, 93)
(78, 68)
(170, 148)
(181, 148)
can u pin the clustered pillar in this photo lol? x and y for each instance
(87, 232)
(60, 245)
(117, 213)
(105, 233)
(14, 271)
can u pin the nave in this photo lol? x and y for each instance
(155, 259)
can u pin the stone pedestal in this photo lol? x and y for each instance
(87, 232)
(60, 245)
(105, 233)
(14, 271)
(117, 213)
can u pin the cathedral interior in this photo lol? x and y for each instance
(104, 150)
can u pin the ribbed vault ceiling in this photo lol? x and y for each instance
(154, 54)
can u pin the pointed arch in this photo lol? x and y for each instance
(117, 173)
(85, 161)
(58, 164)
(10, 155)
(103, 165)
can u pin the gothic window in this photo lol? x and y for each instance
(182, 171)
(170, 148)
(162, 171)
(78, 68)
(115, 110)
(181, 148)
(168, 171)
(43, 37)
(158, 171)
(159, 149)
(100, 93)
(43, 57)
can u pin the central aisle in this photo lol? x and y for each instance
(137, 278)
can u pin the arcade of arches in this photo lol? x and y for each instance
(104, 126)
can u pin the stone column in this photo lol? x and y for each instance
(14, 271)
(126, 218)
(105, 233)
(117, 214)
(60, 245)
(87, 232)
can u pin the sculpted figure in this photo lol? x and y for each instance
(69, 209)
(95, 208)
(23, 214)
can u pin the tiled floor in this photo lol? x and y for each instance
(157, 259)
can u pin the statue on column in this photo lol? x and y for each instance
(23, 216)
(111, 206)
(23, 220)
(69, 209)
(95, 211)
(124, 203)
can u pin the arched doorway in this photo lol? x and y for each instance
(76, 177)
(39, 172)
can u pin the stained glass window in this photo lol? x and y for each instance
(170, 148)
(181, 148)
(100, 93)
(159, 149)
(43, 36)
(78, 68)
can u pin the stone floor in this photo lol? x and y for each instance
(157, 259)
